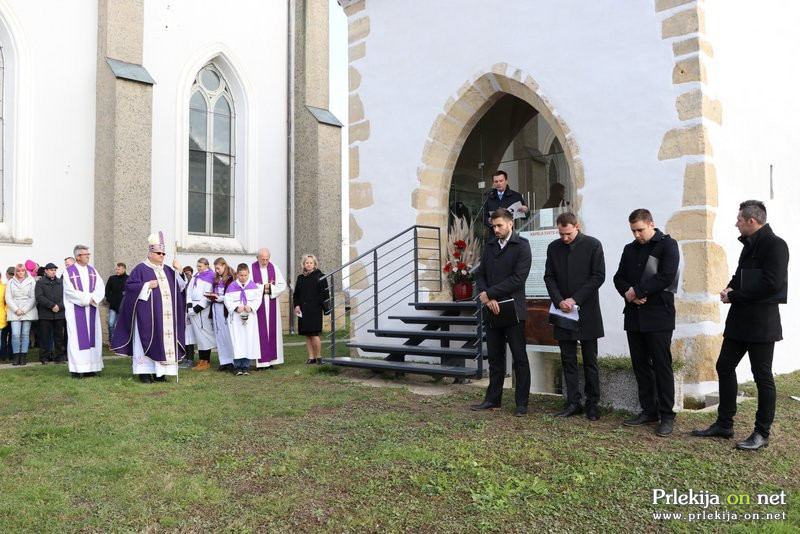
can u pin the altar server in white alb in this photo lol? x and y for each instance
(83, 292)
(242, 299)
(202, 324)
(270, 331)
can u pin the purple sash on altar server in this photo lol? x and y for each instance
(235, 287)
(205, 276)
(86, 332)
(266, 337)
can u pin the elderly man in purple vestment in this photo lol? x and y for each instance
(270, 331)
(151, 321)
(83, 292)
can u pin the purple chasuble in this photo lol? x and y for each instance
(266, 333)
(148, 316)
(86, 332)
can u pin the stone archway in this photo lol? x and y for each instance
(460, 115)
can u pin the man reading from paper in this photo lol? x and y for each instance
(151, 322)
(270, 331)
(83, 291)
(573, 273)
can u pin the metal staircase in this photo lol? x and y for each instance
(386, 278)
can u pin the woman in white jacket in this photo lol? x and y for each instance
(21, 302)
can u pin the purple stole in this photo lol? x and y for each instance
(266, 336)
(85, 332)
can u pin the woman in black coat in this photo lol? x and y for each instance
(310, 291)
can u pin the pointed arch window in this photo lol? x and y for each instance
(211, 155)
(2, 137)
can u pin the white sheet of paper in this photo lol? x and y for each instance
(571, 315)
(546, 217)
(514, 208)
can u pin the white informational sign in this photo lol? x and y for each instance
(538, 239)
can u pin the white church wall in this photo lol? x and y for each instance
(756, 80)
(180, 38)
(48, 137)
(606, 72)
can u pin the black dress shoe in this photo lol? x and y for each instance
(159, 378)
(714, 431)
(76, 375)
(145, 379)
(520, 411)
(642, 419)
(570, 410)
(753, 443)
(485, 405)
(592, 412)
(665, 428)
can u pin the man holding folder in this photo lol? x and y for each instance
(501, 276)
(574, 271)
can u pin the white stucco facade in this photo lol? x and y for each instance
(49, 111)
(609, 74)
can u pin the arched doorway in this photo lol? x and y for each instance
(511, 136)
(502, 120)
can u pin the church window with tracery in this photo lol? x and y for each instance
(211, 155)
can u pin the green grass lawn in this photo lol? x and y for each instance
(305, 449)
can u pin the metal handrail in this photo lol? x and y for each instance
(378, 280)
(379, 272)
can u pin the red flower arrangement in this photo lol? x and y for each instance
(458, 271)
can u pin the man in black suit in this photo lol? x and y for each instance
(504, 267)
(501, 196)
(646, 279)
(574, 271)
(753, 324)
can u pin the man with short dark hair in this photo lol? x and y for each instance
(501, 196)
(502, 273)
(573, 273)
(753, 324)
(115, 287)
(646, 277)
(50, 301)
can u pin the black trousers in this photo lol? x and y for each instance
(760, 354)
(652, 364)
(496, 339)
(48, 328)
(569, 362)
(5, 341)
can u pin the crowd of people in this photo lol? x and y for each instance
(159, 315)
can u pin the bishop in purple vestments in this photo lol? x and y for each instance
(151, 322)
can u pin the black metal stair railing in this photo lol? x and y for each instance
(391, 273)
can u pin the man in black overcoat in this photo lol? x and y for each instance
(505, 264)
(753, 324)
(646, 280)
(574, 271)
(501, 196)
